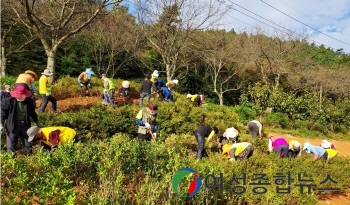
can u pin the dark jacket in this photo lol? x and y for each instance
(204, 131)
(146, 86)
(8, 112)
(5, 95)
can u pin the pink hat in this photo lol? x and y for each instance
(20, 92)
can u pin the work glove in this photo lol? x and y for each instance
(232, 160)
(155, 135)
(147, 125)
(81, 85)
(105, 91)
(89, 85)
(1, 128)
(47, 94)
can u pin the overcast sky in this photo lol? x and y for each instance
(328, 21)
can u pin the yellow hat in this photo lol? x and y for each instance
(226, 150)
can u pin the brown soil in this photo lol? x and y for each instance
(85, 102)
(341, 199)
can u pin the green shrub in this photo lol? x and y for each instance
(120, 171)
(7, 80)
(279, 119)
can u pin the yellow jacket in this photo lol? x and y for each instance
(290, 143)
(153, 79)
(240, 147)
(43, 88)
(193, 97)
(66, 133)
(331, 153)
(25, 78)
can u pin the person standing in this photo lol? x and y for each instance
(146, 86)
(45, 92)
(146, 119)
(204, 133)
(109, 90)
(16, 112)
(6, 93)
(27, 80)
(255, 129)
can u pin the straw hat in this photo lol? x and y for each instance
(31, 73)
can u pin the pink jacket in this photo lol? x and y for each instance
(278, 141)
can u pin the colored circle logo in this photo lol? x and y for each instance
(194, 186)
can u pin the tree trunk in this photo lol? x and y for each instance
(51, 62)
(3, 61)
(168, 74)
(277, 81)
(321, 97)
(221, 100)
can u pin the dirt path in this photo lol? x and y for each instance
(79, 103)
(343, 147)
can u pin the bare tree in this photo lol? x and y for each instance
(113, 40)
(169, 25)
(12, 43)
(221, 52)
(55, 21)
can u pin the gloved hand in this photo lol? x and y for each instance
(81, 85)
(232, 160)
(1, 128)
(47, 94)
(105, 91)
(155, 135)
(89, 85)
(147, 125)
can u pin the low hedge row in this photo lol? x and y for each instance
(119, 171)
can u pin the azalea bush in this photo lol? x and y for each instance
(122, 171)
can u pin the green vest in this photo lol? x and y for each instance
(111, 85)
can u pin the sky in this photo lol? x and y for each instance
(328, 22)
